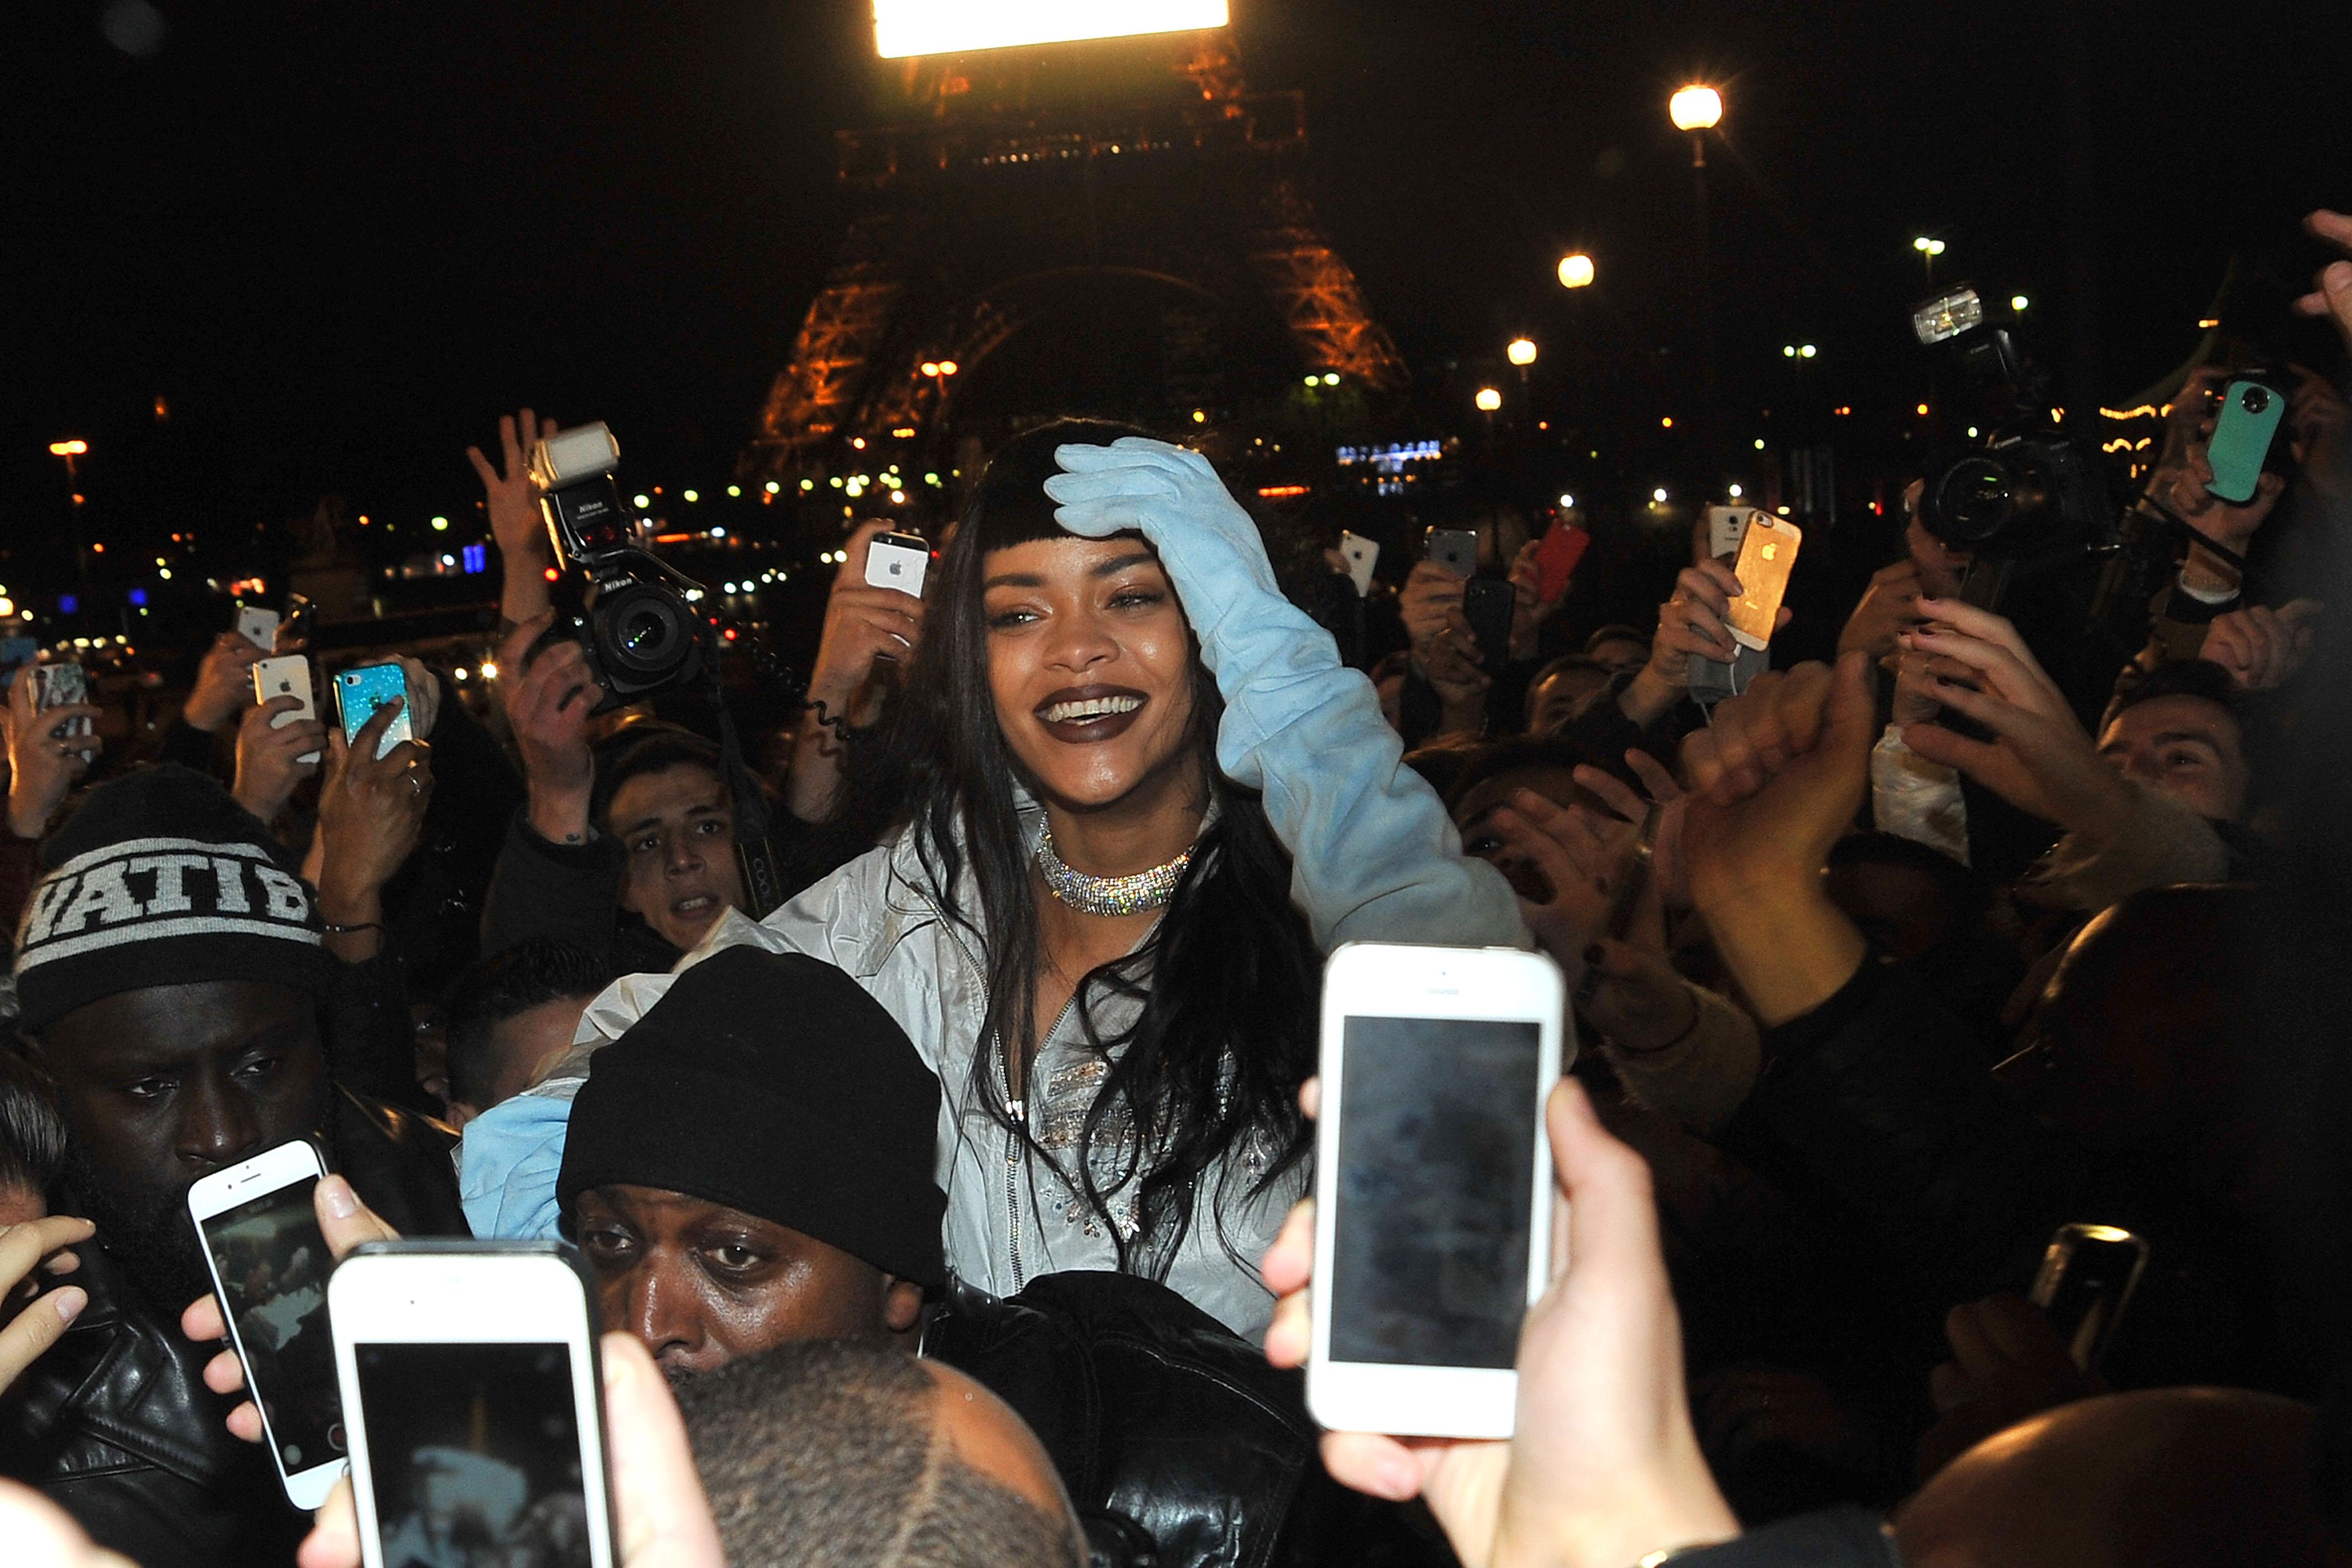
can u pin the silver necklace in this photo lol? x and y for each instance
(1108, 895)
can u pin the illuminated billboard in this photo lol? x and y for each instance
(903, 27)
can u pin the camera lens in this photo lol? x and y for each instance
(2254, 399)
(1972, 502)
(644, 632)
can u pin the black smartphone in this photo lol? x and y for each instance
(1486, 604)
(2088, 1276)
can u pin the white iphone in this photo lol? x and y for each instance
(1725, 526)
(288, 676)
(897, 560)
(470, 1379)
(1433, 1184)
(270, 1266)
(258, 626)
(1361, 555)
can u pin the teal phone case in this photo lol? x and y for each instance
(2242, 434)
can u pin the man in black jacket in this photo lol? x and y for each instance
(751, 1165)
(171, 973)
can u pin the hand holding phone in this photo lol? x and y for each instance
(360, 692)
(1361, 555)
(268, 1260)
(1607, 1439)
(1433, 1184)
(63, 685)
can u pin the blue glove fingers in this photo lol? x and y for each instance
(1078, 489)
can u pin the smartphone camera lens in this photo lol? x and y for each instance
(2256, 399)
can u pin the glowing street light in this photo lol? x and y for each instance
(1576, 271)
(1522, 353)
(1695, 108)
(2018, 302)
(67, 448)
(1929, 249)
(1488, 400)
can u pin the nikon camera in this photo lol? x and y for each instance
(642, 634)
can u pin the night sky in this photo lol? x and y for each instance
(339, 237)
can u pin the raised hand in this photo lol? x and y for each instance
(1603, 1467)
(2261, 647)
(2008, 1365)
(28, 1327)
(1529, 609)
(1691, 624)
(224, 688)
(269, 756)
(1775, 781)
(1889, 606)
(865, 628)
(512, 502)
(2040, 759)
(371, 815)
(547, 700)
(44, 762)
(1431, 607)
(2331, 294)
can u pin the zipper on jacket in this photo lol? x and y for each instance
(1017, 1113)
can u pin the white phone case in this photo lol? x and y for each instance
(443, 1300)
(1361, 555)
(270, 1171)
(287, 676)
(258, 627)
(1402, 985)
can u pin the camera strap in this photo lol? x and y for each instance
(764, 884)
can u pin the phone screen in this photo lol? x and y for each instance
(272, 1264)
(476, 1454)
(1435, 1190)
(1766, 554)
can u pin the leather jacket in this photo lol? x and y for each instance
(115, 1424)
(1177, 1442)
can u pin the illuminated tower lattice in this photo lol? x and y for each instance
(1113, 213)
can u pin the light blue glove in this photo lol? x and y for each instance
(1373, 855)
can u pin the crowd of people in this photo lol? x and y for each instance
(952, 1209)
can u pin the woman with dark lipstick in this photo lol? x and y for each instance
(1146, 799)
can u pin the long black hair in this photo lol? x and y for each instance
(1202, 1088)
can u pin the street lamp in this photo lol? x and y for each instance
(1576, 270)
(2018, 303)
(1522, 353)
(1698, 108)
(1488, 400)
(1695, 108)
(1928, 250)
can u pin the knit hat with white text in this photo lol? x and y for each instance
(163, 879)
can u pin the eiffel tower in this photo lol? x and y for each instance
(1111, 228)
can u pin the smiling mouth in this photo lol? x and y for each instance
(693, 909)
(1080, 715)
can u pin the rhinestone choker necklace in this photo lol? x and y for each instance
(1108, 895)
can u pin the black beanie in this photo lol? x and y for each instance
(163, 879)
(772, 1083)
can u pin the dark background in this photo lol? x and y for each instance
(339, 237)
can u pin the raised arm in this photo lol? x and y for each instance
(1373, 856)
